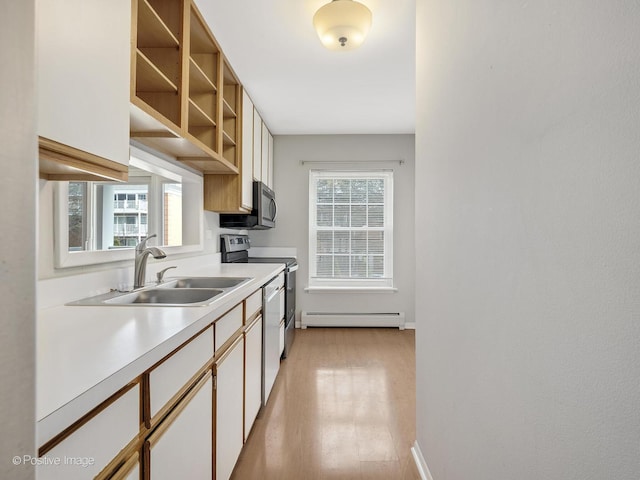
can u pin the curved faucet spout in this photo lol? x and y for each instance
(142, 254)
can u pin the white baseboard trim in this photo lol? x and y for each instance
(331, 319)
(421, 464)
(410, 325)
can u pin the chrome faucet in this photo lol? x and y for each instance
(142, 253)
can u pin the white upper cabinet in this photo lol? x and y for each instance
(265, 155)
(83, 76)
(247, 151)
(257, 146)
(270, 182)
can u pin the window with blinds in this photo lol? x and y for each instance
(350, 229)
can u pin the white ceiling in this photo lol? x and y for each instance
(299, 87)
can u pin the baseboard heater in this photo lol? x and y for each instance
(333, 319)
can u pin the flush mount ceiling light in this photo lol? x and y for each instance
(342, 24)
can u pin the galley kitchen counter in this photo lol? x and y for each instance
(87, 353)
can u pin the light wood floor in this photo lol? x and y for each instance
(342, 407)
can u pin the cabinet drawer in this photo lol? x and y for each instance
(96, 442)
(168, 378)
(227, 325)
(253, 304)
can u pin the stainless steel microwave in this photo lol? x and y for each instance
(262, 216)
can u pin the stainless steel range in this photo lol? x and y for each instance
(235, 249)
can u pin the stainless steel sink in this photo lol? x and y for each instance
(166, 297)
(204, 282)
(176, 292)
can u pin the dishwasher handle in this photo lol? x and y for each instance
(270, 291)
(271, 296)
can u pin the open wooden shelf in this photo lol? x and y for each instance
(198, 117)
(185, 97)
(149, 78)
(228, 110)
(199, 81)
(206, 138)
(228, 139)
(201, 38)
(169, 12)
(155, 32)
(229, 153)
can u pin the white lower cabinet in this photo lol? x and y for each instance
(187, 416)
(229, 390)
(182, 445)
(86, 451)
(252, 374)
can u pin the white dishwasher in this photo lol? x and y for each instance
(273, 312)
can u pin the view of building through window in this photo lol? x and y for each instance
(129, 215)
(104, 216)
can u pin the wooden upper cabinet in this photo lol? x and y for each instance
(180, 103)
(234, 193)
(83, 73)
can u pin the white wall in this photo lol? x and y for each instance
(528, 158)
(17, 237)
(291, 184)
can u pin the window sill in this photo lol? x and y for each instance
(350, 289)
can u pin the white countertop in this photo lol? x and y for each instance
(87, 353)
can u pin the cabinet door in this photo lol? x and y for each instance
(227, 325)
(247, 151)
(172, 376)
(265, 155)
(257, 146)
(229, 411)
(99, 439)
(83, 51)
(181, 446)
(252, 374)
(270, 183)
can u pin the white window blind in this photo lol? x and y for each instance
(350, 229)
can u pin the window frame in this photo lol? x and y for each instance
(354, 284)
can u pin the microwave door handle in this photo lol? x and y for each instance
(274, 210)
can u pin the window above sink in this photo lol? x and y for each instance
(99, 222)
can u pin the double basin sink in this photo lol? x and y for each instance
(179, 292)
